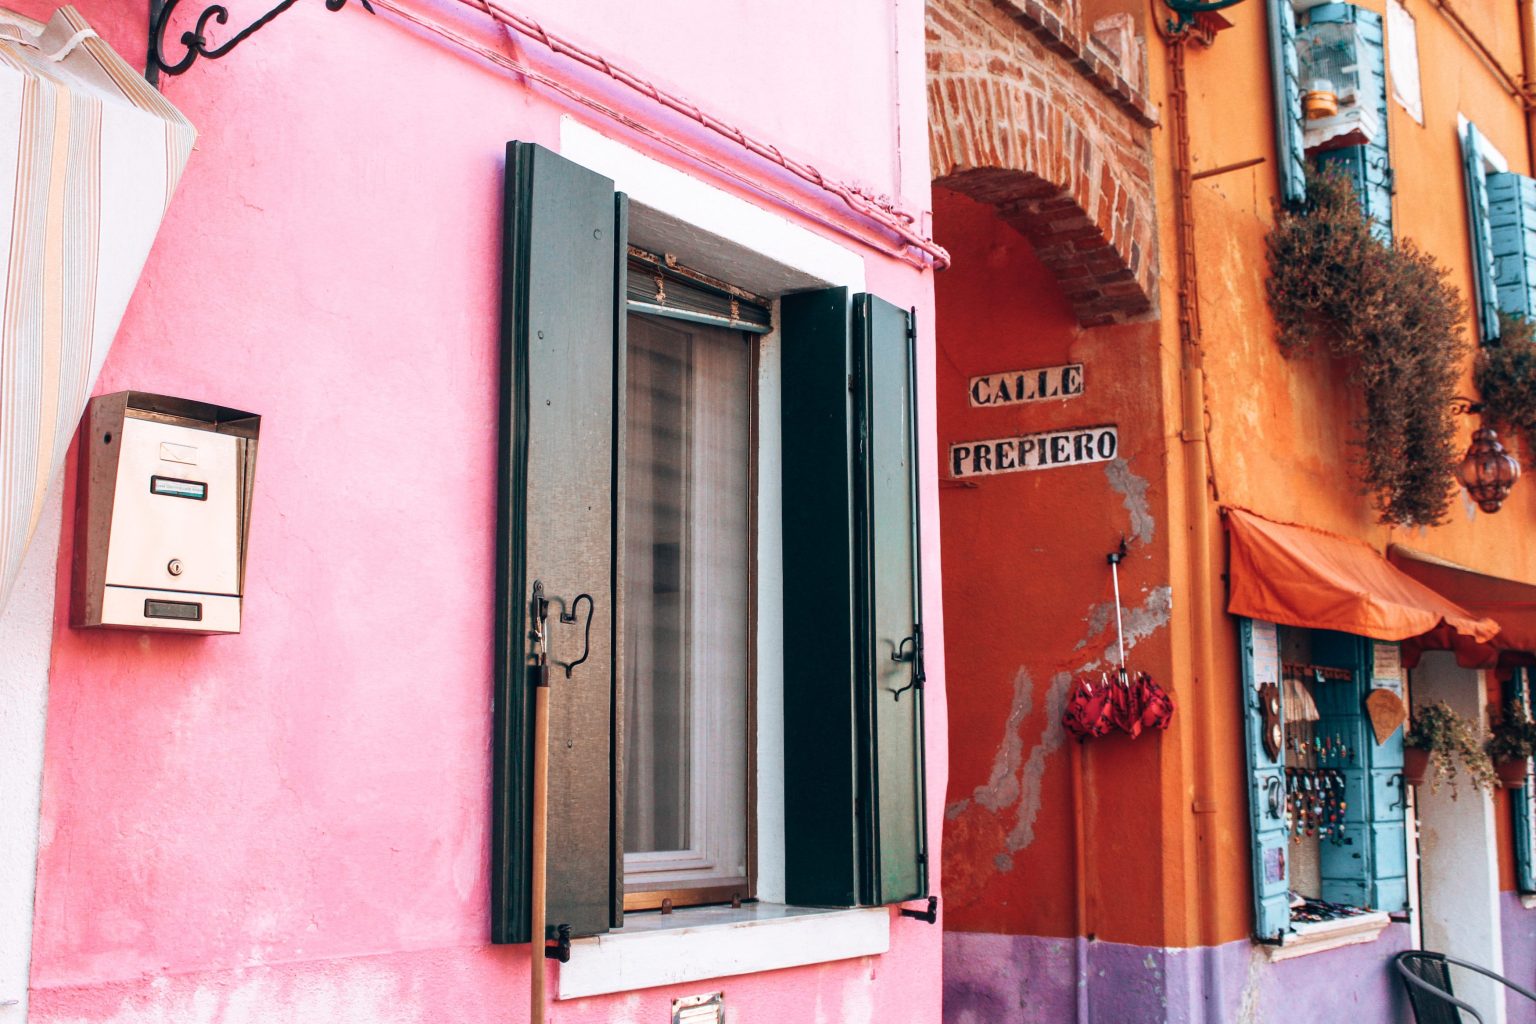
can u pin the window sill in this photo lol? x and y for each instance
(1322, 936)
(718, 942)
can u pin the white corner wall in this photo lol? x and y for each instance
(26, 640)
(1459, 860)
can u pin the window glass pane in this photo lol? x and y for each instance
(688, 558)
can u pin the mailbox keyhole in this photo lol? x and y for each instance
(173, 567)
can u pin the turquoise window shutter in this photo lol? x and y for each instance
(853, 694)
(1512, 235)
(1520, 805)
(1345, 860)
(1369, 166)
(1290, 151)
(1387, 807)
(1259, 643)
(1479, 229)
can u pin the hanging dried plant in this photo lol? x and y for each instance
(1389, 311)
(1506, 378)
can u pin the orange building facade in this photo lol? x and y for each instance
(1109, 379)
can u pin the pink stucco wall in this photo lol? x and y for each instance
(291, 824)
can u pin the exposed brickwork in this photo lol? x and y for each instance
(1027, 116)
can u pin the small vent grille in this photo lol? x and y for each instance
(706, 1009)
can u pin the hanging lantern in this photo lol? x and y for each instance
(1487, 471)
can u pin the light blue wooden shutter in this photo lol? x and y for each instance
(1388, 808)
(1290, 151)
(1345, 860)
(1512, 229)
(1486, 298)
(1520, 806)
(1260, 646)
(1370, 165)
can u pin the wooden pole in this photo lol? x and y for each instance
(540, 848)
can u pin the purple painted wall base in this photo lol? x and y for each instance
(1024, 979)
(1519, 926)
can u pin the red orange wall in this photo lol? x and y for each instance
(1028, 604)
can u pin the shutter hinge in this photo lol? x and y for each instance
(912, 326)
(931, 915)
(850, 383)
(561, 950)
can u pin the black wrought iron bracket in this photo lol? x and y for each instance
(196, 39)
(561, 950)
(931, 915)
(1188, 12)
(1465, 406)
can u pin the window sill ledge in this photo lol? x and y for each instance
(719, 942)
(1325, 935)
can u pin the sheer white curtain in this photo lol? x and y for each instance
(688, 563)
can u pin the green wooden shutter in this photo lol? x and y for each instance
(1512, 230)
(1369, 165)
(1486, 296)
(853, 778)
(820, 775)
(561, 425)
(1520, 804)
(1285, 76)
(1259, 643)
(886, 544)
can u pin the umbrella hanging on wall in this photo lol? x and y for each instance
(1099, 703)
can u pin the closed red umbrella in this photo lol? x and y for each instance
(1154, 703)
(1088, 711)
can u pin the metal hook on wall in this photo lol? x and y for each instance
(586, 640)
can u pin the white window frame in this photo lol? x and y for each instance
(733, 239)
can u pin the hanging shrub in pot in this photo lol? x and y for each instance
(1440, 740)
(1511, 743)
(1388, 311)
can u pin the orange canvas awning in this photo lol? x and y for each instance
(1510, 602)
(1297, 576)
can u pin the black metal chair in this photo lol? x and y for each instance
(1427, 976)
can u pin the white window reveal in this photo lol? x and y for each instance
(1403, 60)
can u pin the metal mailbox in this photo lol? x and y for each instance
(163, 514)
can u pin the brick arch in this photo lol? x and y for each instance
(1036, 134)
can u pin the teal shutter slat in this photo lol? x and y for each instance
(561, 426)
(1480, 231)
(1388, 811)
(821, 852)
(1345, 860)
(1512, 238)
(1285, 77)
(1260, 646)
(1520, 806)
(886, 540)
(853, 778)
(1369, 166)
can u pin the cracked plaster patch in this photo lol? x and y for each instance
(1134, 489)
(1015, 779)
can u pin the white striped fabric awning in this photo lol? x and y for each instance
(89, 158)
